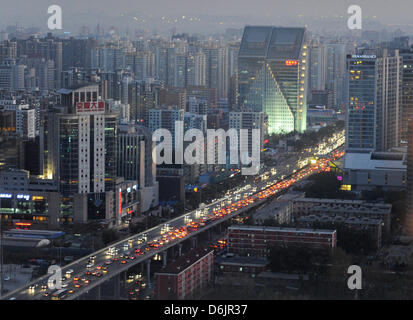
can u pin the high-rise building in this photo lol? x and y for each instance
(135, 163)
(409, 197)
(81, 152)
(374, 107)
(249, 121)
(407, 94)
(272, 76)
(317, 66)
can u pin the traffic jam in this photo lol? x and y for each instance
(133, 249)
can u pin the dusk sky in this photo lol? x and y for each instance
(90, 12)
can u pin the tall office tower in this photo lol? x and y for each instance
(408, 226)
(161, 65)
(8, 49)
(165, 119)
(223, 76)
(249, 121)
(272, 76)
(199, 70)
(141, 63)
(374, 108)
(124, 88)
(45, 73)
(201, 92)
(180, 71)
(233, 51)
(48, 48)
(389, 100)
(317, 66)
(11, 75)
(134, 162)
(86, 143)
(173, 97)
(73, 76)
(107, 58)
(407, 94)
(197, 105)
(77, 53)
(80, 153)
(171, 59)
(233, 92)
(193, 171)
(335, 57)
(143, 96)
(212, 56)
(190, 70)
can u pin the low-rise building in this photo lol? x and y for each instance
(235, 265)
(370, 225)
(344, 208)
(256, 240)
(369, 170)
(184, 277)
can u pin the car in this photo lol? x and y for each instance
(69, 273)
(124, 262)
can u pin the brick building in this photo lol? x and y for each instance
(186, 276)
(256, 240)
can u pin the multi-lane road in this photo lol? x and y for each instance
(89, 272)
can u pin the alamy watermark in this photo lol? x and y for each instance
(354, 21)
(216, 147)
(354, 281)
(54, 282)
(55, 20)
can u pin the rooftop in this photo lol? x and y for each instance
(281, 229)
(185, 261)
(375, 161)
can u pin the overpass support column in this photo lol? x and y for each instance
(164, 256)
(95, 293)
(116, 286)
(179, 249)
(194, 241)
(148, 272)
(99, 292)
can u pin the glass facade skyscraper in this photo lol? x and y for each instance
(272, 66)
(361, 114)
(374, 114)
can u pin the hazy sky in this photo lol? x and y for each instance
(89, 12)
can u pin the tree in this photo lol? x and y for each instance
(298, 259)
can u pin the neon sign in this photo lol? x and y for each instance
(290, 63)
(90, 106)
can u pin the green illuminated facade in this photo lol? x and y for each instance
(272, 66)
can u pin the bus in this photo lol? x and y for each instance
(60, 294)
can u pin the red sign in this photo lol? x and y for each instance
(291, 63)
(90, 106)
